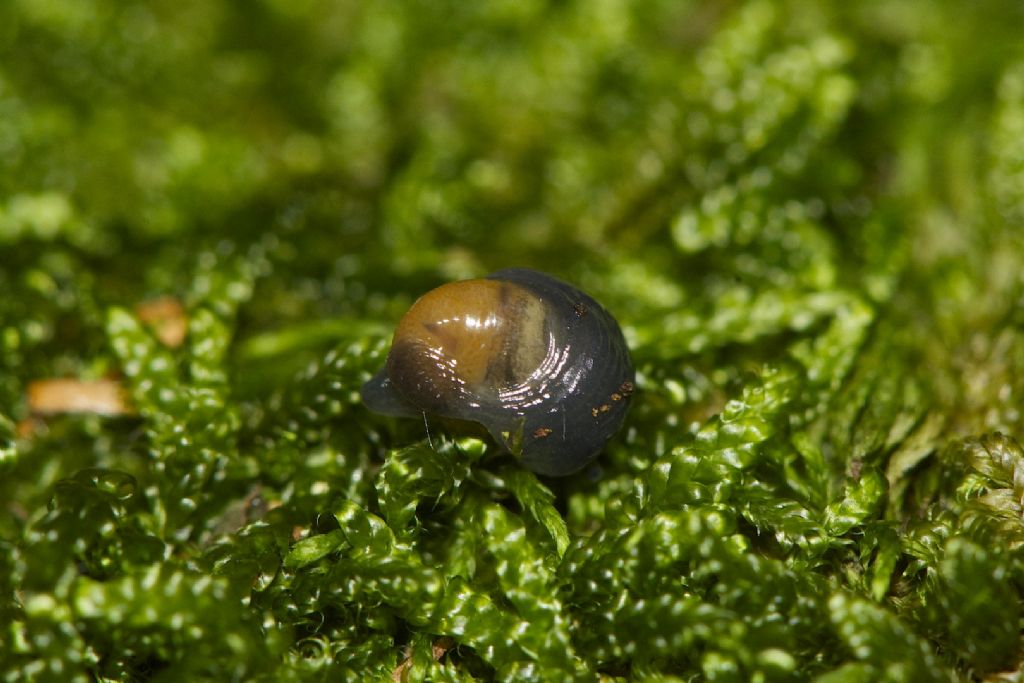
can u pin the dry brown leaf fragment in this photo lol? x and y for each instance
(438, 649)
(167, 317)
(68, 395)
(441, 647)
(402, 670)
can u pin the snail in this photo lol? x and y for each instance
(541, 365)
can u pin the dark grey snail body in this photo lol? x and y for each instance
(537, 362)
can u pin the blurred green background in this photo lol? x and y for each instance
(806, 215)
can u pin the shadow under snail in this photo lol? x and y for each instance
(541, 365)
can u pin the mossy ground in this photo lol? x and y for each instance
(807, 216)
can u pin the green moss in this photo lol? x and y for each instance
(808, 218)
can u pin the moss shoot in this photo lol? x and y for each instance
(807, 216)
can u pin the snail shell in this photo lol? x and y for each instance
(537, 362)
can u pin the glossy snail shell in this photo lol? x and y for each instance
(537, 362)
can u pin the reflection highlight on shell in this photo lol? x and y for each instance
(541, 365)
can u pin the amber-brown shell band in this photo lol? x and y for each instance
(465, 340)
(538, 363)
